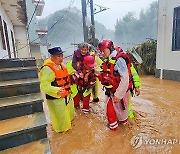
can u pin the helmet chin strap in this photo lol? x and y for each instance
(111, 50)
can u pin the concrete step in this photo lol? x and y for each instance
(24, 62)
(16, 73)
(19, 87)
(37, 147)
(22, 130)
(16, 106)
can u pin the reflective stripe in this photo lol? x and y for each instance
(110, 86)
(112, 127)
(112, 124)
(124, 121)
(85, 111)
(92, 82)
(87, 92)
(112, 61)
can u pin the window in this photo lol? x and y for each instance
(7, 38)
(2, 35)
(12, 37)
(176, 29)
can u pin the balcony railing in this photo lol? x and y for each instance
(41, 32)
(40, 7)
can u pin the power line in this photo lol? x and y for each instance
(27, 28)
(122, 0)
(31, 19)
(66, 21)
(61, 16)
(33, 14)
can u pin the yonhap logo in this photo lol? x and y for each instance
(140, 139)
(137, 141)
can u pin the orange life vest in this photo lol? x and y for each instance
(62, 79)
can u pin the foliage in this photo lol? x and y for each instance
(147, 51)
(130, 31)
(69, 29)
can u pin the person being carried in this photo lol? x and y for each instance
(82, 87)
(85, 49)
(55, 83)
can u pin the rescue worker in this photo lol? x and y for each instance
(115, 78)
(84, 49)
(55, 83)
(135, 91)
(84, 84)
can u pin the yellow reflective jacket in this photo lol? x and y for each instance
(61, 114)
(135, 77)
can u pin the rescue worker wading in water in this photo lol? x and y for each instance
(134, 78)
(55, 83)
(115, 78)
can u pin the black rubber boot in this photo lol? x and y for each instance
(95, 100)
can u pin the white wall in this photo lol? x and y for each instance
(5, 17)
(22, 46)
(20, 38)
(166, 58)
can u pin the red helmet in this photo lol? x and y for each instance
(89, 61)
(106, 43)
(118, 49)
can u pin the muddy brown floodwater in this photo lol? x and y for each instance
(155, 128)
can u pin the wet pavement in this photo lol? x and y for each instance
(155, 128)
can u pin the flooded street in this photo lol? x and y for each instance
(156, 121)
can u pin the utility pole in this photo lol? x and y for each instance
(92, 22)
(84, 16)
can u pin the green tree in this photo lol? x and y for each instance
(69, 28)
(147, 51)
(130, 30)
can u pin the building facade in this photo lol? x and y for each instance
(18, 28)
(32, 26)
(168, 41)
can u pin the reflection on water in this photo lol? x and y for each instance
(156, 117)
